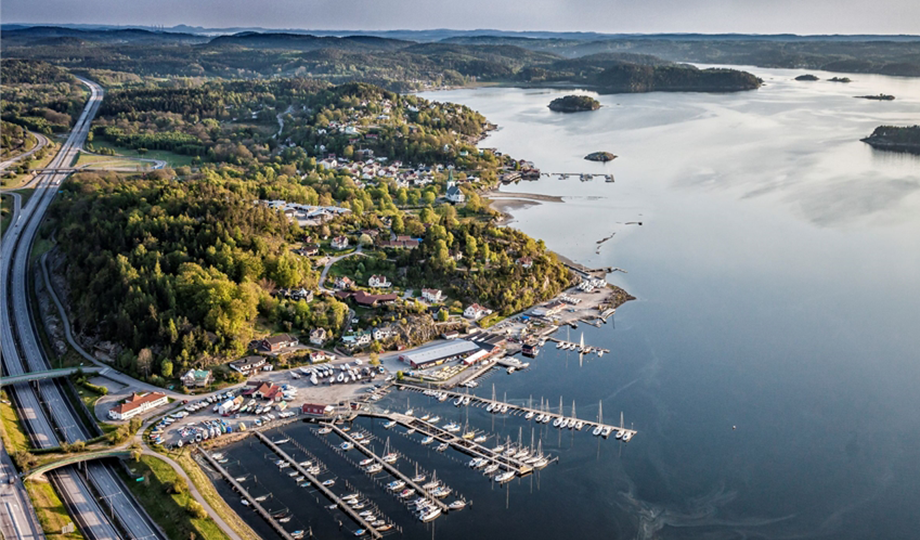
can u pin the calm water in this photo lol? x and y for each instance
(778, 277)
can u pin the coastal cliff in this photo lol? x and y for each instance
(898, 139)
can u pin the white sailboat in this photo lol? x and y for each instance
(600, 419)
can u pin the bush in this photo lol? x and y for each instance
(177, 486)
(196, 510)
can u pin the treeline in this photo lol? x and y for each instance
(174, 268)
(39, 96)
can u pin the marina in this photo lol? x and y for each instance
(624, 433)
(321, 486)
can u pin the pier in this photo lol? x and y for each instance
(388, 467)
(374, 533)
(583, 349)
(252, 501)
(463, 445)
(518, 409)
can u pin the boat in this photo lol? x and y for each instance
(491, 407)
(390, 457)
(284, 519)
(329, 482)
(396, 484)
(406, 493)
(441, 492)
(559, 344)
(389, 424)
(466, 400)
(557, 422)
(292, 474)
(366, 462)
(627, 436)
(475, 463)
(346, 446)
(529, 415)
(490, 469)
(540, 463)
(360, 532)
(281, 441)
(325, 431)
(430, 514)
(546, 418)
(375, 468)
(442, 447)
(418, 478)
(499, 449)
(540, 418)
(385, 527)
(240, 478)
(606, 432)
(480, 439)
(297, 535)
(469, 435)
(425, 417)
(410, 412)
(457, 505)
(458, 401)
(579, 425)
(434, 420)
(245, 502)
(428, 440)
(619, 434)
(504, 477)
(510, 370)
(452, 427)
(304, 484)
(410, 431)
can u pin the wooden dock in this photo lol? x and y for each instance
(519, 409)
(388, 467)
(242, 491)
(374, 533)
(589, 349)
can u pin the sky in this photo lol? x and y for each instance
(609, 16)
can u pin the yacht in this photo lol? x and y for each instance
(480, 439)
(396, 484)
(434, 419)
(557, 422)
(491, 407)
(490, 469)
(261, 498)
(457, 505)
(466, 400)
(619, 434)
(529, 415)
(366, 462)
(425, 417)
(458, 401)
(329, 482)
(419, 478)
(499, 449)
(389, 424)
(346, 446)
(627, 436)
(504, 477)
(597, 431)
(504, 408)
(606, 432)
(375, 468)
(442, 447)
(579, 425)
(540, 418)
(245, 502)
(430, 514)
(390, 457)
(428, 440)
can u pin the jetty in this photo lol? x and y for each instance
(580, 347)
(386, 466)
(517, 410)
(247, 496)
(353, 514)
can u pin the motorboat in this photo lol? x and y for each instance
(434, 420)
(366, 462)
(499, 449)
(346, 446)
(442, 447)
(396, 484)
(481, 439)
(428, 440)
(457, 505)
(375, 468)
(406, 493)
(390, 423)
(490, 469)
(329, 482)
(390, 457)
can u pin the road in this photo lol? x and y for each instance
(26, 354)
(333, 260)
(17, 518)
(42, 142)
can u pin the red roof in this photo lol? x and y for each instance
(136, 400)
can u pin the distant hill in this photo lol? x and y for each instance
(307, 42)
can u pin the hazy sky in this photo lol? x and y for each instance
(708, 16)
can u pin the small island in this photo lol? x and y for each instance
(574, 103)
(897, 139)
(807, 77)
(600, 156)
(879, 97)
(840, 79)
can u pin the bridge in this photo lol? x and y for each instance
(47, 374)
(73, 459)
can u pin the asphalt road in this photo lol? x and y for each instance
(14, 299)
(42, 141)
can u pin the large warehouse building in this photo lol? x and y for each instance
(439, 353)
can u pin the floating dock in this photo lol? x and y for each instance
(374, 533)
(516, 409)
(242, 491)
(388, 467)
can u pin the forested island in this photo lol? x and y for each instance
(572, 103)
(807, 77)
(600, 156)
(900, 139)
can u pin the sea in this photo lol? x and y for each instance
(770, 362)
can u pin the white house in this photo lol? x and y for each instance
(475, 311)
(137, 404)
(378, 281)
(383, 332)
(344, 282)
(340, 242)
(196, 378)
(432, 295)
(318, 336)
(454, 194)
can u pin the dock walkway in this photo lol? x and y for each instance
(388, 467)
(374, 533)
(520, 409)
(255, 504)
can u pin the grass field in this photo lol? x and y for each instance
(168, 510)
(6, 212)
(111, 162)
(174, 160)
(50, 510)
(14, 436)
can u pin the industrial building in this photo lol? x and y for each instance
(439, 353)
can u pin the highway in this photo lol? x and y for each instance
(22, 352)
